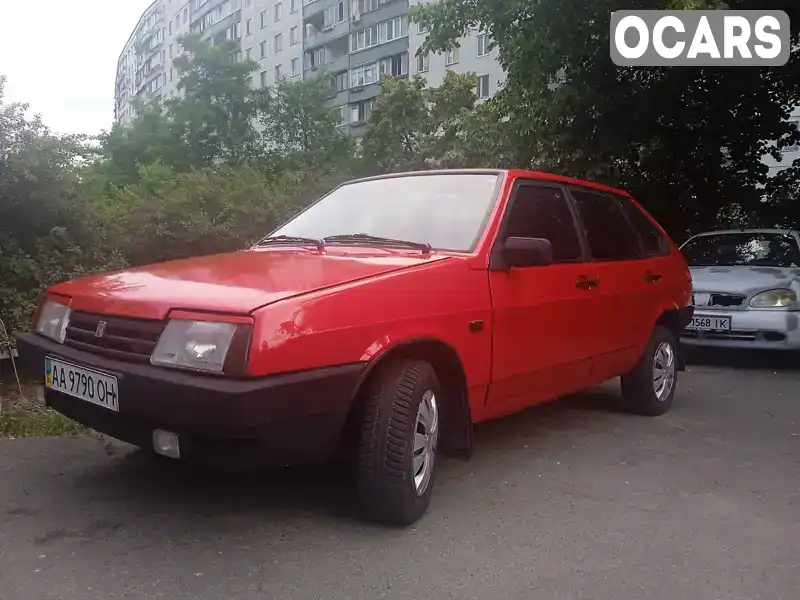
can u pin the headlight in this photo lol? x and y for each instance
(774, 299)
(53, 320)
(201, 345)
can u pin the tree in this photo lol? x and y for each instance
(399, 125)
(213, 120)
(45, 229)
(299, 128)
(413, 126)
(686, 141)
(148, 139)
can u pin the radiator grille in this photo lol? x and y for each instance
(122, 338)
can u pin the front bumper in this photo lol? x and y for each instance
(268, 421)
(756, 329)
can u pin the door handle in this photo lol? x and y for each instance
(587, 283)
(652, 277)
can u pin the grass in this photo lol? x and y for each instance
(23, 416)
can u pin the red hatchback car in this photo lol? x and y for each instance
(386, 318)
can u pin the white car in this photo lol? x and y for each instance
(746, 286)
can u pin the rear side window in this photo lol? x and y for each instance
(540, 211)
(653, 241)
(609, 234)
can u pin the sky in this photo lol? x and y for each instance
(60, 56)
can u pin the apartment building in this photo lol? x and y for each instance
(472, 56)
(145, 70)
(350, 42)
(353, 43)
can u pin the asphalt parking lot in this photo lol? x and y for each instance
(572, 500)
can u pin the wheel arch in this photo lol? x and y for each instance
(675, 319)
(446, 362)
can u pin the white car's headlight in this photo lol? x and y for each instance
(774, 299)
(202, 345)
(52, 320)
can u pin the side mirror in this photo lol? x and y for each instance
(527, 252)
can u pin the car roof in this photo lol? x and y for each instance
(751, 230)
(513, 173)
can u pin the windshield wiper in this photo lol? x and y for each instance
(291, 239)
(376, 239)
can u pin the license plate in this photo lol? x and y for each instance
(80, 382)
(703, 323)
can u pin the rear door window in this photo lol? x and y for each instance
(653, 241)
(540, 211)
(609, 234)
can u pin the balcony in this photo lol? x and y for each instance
(314, 7)
(326, 34)
(362, 92)
(333, 64)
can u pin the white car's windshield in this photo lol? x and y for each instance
(756, 249)
(447, 211)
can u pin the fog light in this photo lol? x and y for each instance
(166, 443)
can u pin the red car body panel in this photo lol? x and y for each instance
(235, 283)
(352, 304)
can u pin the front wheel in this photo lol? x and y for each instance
(649, 389)
(399, 442)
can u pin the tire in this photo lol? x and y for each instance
(401, 398)
(640, 393)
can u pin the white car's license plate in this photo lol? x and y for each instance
(707, 323)
(81, 382)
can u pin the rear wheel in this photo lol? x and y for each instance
(399, 442)
(649, 389)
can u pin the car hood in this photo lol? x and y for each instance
(741, 279)
(237, 282)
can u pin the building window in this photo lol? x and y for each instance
(483, 45)
(423, 63)
(178, 21)
(248, 53)
(248, 3)
(295, 68)
(396, 65)
(277, 72)
(314, 59)
(378, 34)
(392, 30)
(171, 48)
(263, 19)
(360, 111)
(263, 79)
(365, 6)
(293, 36)
(293, 6)
(364, 75)
(170, 27)
(278, 43)
(451, 57)
(277, 11)
(339, 82)
(421, 29)
(333, 15)
(263, 49)
(249, 28)
(343, 113)
(483, 86)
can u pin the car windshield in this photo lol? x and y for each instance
(447, 211)
(745, 248)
